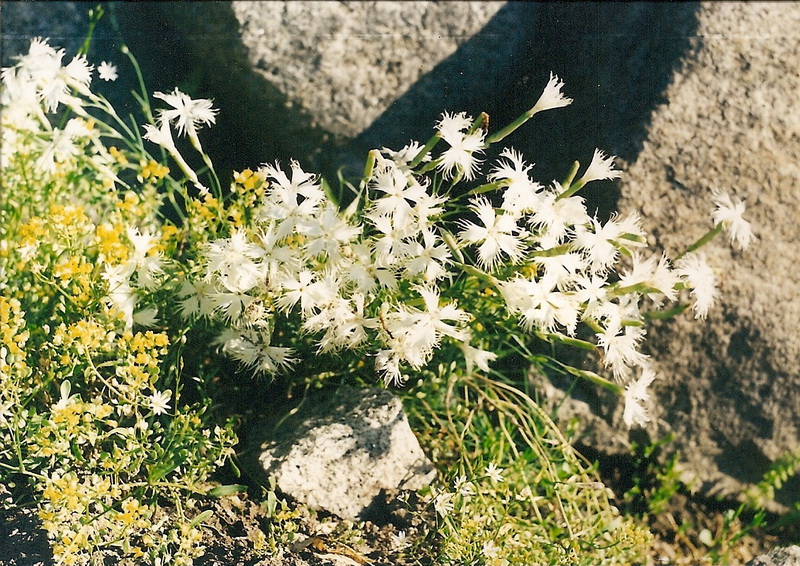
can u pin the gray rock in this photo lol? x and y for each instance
(340, 450)
(785, 556)
(308, 79)
(729, 387)
(24, 539)
(64, 23)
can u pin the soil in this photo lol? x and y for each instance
(232, 537)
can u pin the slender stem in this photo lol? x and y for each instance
(216, 184)
(95, 15)
(480, 121)
(429, 166)
(470, 270)
(454, 181)
(426, 149)
(566, 340)
(569, 188)
(487, 188)
(145, 99)
(667, 314)
(452, 245)
(707, 237)
(552, 252)
(369, 167)
(508, 130)
(635, 288)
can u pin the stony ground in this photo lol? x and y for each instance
(234, 538)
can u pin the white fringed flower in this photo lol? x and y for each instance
(730, 214)
(636, 394)
(600, 168)
(552, 97)
(699, 276)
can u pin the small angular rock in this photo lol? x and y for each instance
(339, 451)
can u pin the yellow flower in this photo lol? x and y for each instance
(118, 156)
(151, 170)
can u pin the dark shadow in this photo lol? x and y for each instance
(616, 59)
(196, 46)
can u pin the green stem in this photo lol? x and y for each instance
(566, 340)
(569, 188)
(508, 130)
(707, 237)
(454, 181)
(480, 121)
(94, 18)
(667, 314)
(145, 99)
(487, 188)
(428, 167)
(216, 185)
(369, 167)
(635, 288)
(482, 275)
(552, 252)
(426, 149)
(452, 245)
(592, 377)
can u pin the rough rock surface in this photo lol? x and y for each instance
(339, 451)
(785, 556)
(65, 23)
(729, 388)
(308, 77)
(331, 59)
(24, 541)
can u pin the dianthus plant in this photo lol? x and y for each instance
(417, 267)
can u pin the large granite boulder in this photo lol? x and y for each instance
(729, 387)
(308, 80)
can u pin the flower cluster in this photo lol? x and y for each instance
(390, 276)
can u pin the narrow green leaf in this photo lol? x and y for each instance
(226, 490)
(207, 514)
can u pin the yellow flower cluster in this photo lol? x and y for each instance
(93, 425)
(152, 171)
(12, 337)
